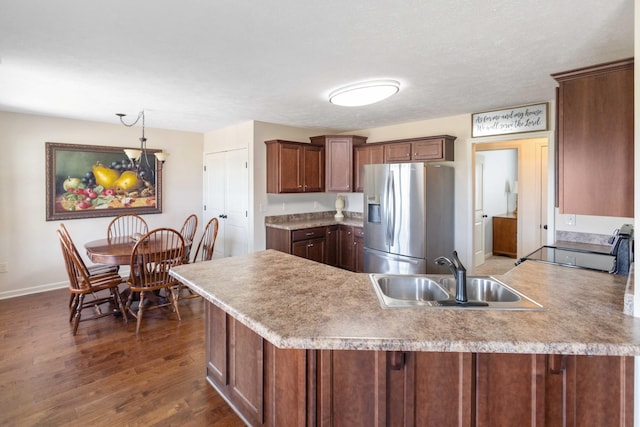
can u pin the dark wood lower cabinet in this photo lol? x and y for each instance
(269, 386)
(337, 245)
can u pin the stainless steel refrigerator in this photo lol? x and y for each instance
(408, 217)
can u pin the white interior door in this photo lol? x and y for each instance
(226, 195)
(236, 203)
(214, 197)
(479, 215)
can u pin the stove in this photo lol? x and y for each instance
(570, 257)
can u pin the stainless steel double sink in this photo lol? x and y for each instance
(421, 291)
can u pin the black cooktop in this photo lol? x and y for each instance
(570, 257)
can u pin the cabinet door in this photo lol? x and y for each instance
(313, 168)
(428, 149)
(313, 249)
(397, 152)
(339, 152)
(589, 390)
(358, 247)
(365, 155)
(331, 245)
(345, 248)
(316, 250)
(595, 140)
(510, 389)
(291, 173)
(299, 248)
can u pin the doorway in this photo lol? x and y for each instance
(517, 171)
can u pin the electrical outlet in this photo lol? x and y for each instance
(4, 267)
(571, 219)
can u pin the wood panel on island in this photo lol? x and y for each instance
(270, 386)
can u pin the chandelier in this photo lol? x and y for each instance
(136, 155)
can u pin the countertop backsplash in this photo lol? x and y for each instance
(311, 216)
(590, 238)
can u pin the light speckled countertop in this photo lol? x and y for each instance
(315, 222)
(296, 303)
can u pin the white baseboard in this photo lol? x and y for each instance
(33, 290)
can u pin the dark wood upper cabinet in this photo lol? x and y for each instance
(294, 167)
(366, 154)
(338, 160)
(397, 152)
(432, 148)
(595, 140)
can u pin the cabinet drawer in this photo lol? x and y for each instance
(358, 232)
(308, 233)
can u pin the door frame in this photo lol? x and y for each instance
(528, 221)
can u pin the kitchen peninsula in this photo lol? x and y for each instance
(294, 342)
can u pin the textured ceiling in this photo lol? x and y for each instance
(199, 66)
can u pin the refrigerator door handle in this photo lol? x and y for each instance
(392, 210)
(386, 209)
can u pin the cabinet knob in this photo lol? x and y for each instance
(310, 245)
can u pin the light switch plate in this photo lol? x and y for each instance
(4, 267)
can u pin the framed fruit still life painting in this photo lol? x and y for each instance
(89, 181)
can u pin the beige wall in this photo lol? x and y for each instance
(28, 243)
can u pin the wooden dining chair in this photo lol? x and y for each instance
(204, 252)
(151, 259)
(188, 232)
(127, 225)
(94, 269)
(83, 283)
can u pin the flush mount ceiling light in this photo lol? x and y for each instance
(364, 93)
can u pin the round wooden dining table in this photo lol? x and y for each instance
(115, 251)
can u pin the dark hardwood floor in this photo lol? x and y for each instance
(105, 375)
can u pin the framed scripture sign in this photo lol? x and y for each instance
(527, 118)
(88, 181)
